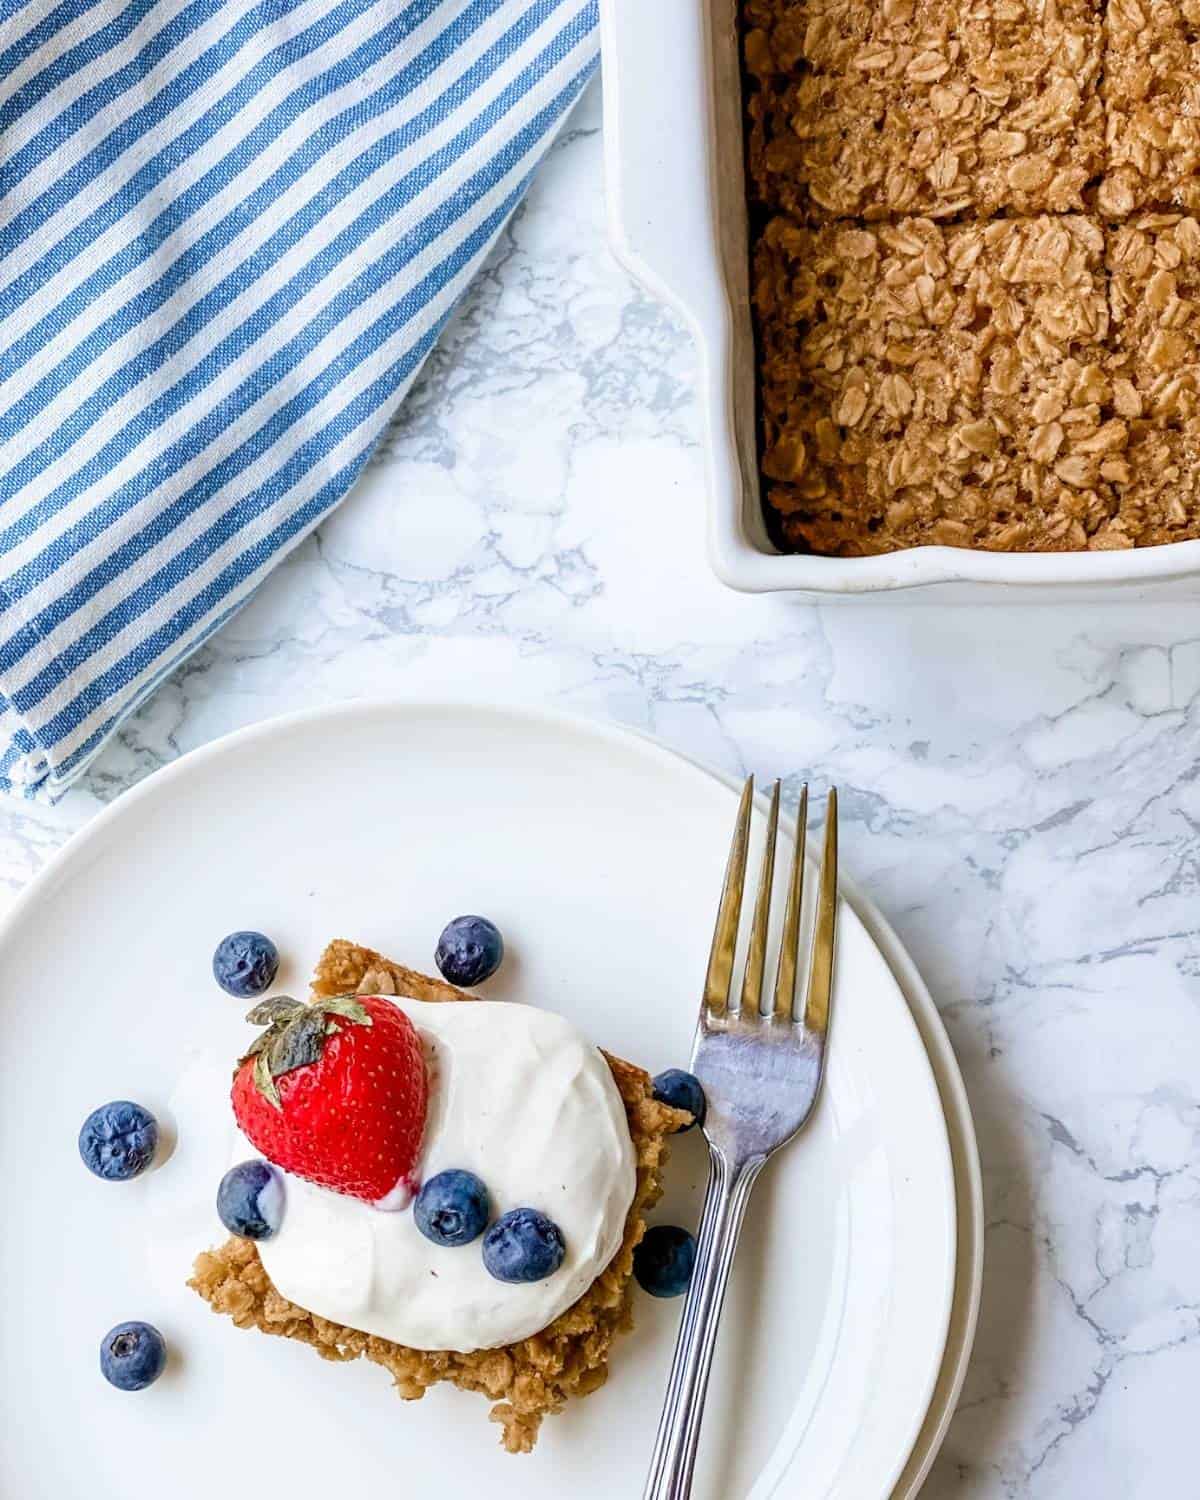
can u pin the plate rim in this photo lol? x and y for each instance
(968, 1187)
(97, 828)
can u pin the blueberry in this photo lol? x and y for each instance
(452, 1208)
(132, 1356)
(523, 1245)
(663, 1261)
(682, 1091)
(250, 1200)
(118, 1140)
(245, 964)
(469, 950)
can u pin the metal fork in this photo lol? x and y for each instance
(761, 1075)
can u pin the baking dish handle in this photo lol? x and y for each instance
(658, 62)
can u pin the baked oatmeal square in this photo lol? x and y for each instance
(1151, 95)
(925, 383)
(1153, 266)
(1154, 293)
(936, 109)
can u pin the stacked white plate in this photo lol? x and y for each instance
(600, 855)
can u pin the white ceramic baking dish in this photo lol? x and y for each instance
(677, 211)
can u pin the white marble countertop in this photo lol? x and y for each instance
(1021, 798)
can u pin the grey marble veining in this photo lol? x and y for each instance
(1021, 798)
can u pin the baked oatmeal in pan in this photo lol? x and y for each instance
(975, 272)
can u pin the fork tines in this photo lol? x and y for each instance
(718, 980)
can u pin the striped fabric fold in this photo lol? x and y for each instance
(230, 233)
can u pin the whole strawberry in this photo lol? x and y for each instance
(335, 1092)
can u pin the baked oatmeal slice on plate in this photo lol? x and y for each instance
(526, 1379)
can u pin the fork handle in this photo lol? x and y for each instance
(675, 1446)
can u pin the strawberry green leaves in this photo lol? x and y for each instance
(295, 1036)
(278, 1008)
(264, 1083)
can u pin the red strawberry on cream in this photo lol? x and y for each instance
(336, 1093)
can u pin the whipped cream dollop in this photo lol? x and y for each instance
(519, 1097)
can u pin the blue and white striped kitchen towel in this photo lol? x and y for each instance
(230, 233)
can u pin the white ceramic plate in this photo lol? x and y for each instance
(600, 855)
